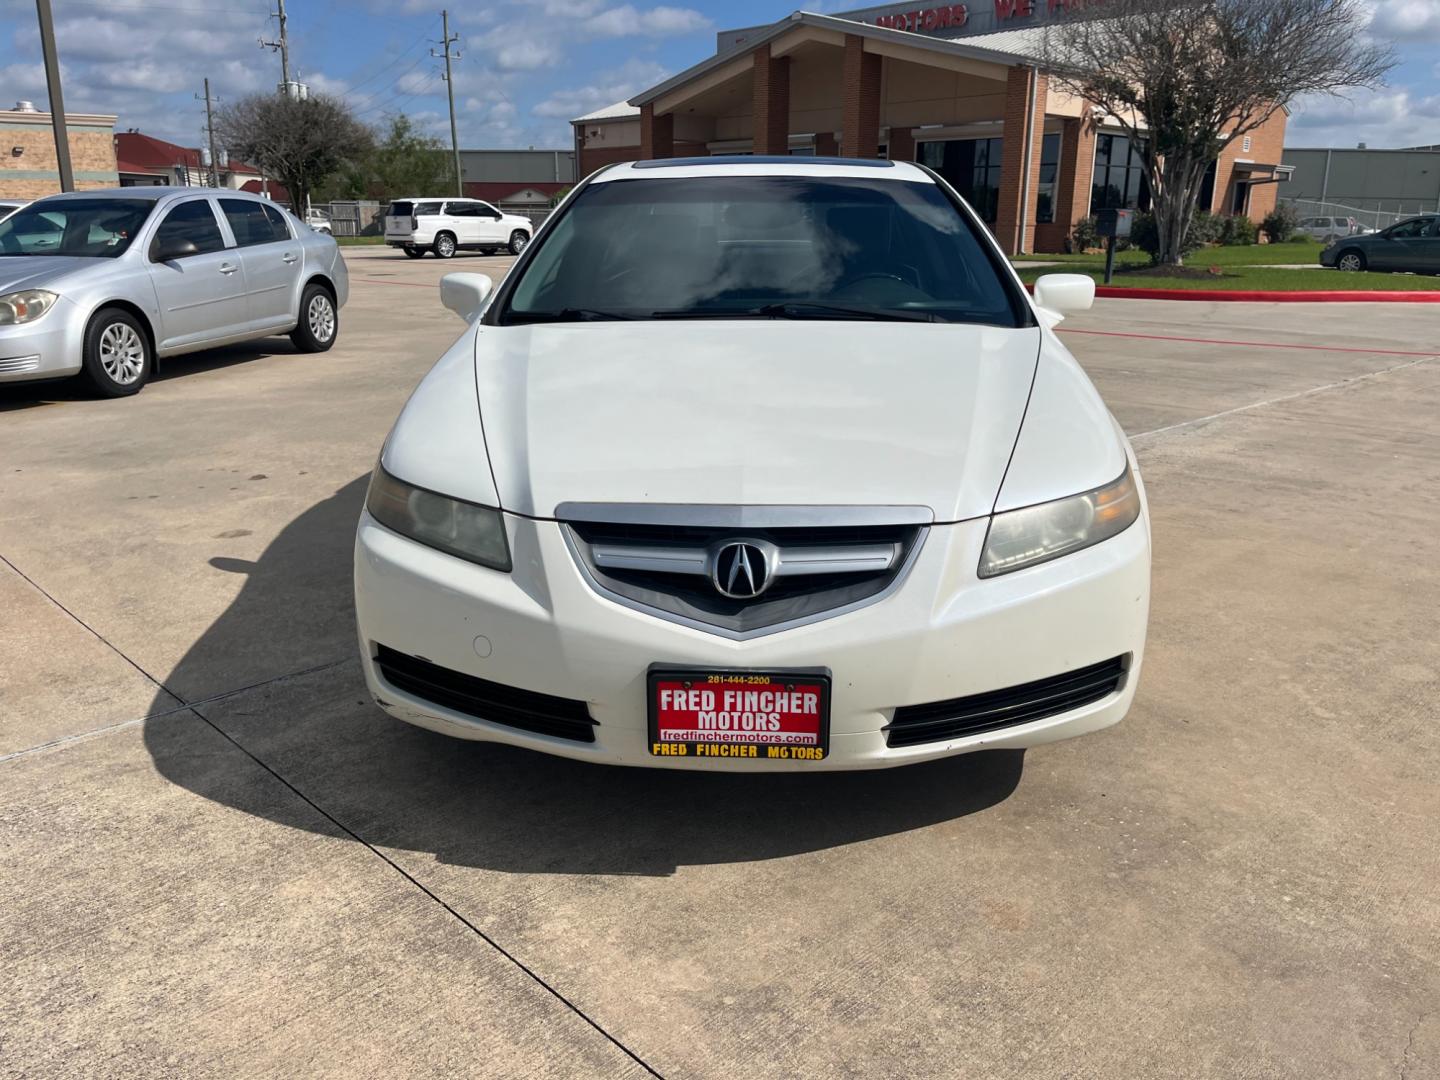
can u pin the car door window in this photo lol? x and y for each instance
(425, 209)
(465, 210)
(488, 211)
(193, 221)
(279, 227)
(1407, 229)
(247, 221)
(1432, 230)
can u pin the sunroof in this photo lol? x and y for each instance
(762, 159)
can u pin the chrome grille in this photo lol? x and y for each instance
(680, 562)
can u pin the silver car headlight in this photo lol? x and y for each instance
(25, 307)
(1036, 534)
(458, 528)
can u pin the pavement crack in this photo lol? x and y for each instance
(1337, 385)
(529, 972)
(90, 629)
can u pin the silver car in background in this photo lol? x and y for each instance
(103, 283)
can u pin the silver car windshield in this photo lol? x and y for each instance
(98, 228)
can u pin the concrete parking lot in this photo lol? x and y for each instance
(220, 859)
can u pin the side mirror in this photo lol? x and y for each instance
(175, 248)
(465, 294)
(1065, 294)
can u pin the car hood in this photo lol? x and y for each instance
(37, 271)
(753, 412)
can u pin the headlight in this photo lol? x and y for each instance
(1036, 534)
(27, 306)
(462, 529)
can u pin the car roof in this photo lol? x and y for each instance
(765, 165)
(154, 193)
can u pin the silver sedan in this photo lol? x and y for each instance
(102, 283)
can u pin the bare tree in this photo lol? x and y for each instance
(1183, 78)
(299, 143)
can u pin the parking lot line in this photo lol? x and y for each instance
(1424, 358)
(1249, 344)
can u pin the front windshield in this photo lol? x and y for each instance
(100, 228)
(762, 247)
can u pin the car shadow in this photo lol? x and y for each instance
(27, 395)
(486, 805)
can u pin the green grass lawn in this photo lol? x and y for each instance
(1240, 268)
(358, 241)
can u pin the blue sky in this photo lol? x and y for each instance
(527, 66)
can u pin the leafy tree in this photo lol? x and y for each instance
(406, 161)
(299, 143)
(1184, 78)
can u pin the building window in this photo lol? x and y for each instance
(1119, 180)
(972, 167)
(1049, 170)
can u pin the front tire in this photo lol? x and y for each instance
(319, 321)
(118, 359)
(444, 246)
(1351, 260)
(519, 241)
(414, 252)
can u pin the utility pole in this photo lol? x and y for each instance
(282, 46)
(210, 135)
(447, 40)
(57, 100)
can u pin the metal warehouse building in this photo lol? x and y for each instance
(955, 87)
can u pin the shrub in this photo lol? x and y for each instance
(1083, 236)
(1238, 230)
(1204, 229)
(1280, 224)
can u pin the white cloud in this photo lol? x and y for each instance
(628, 20)
(1406, 20)
(1380, 118)
(612, 86)
(525, 54)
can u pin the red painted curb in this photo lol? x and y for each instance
(1312, 296)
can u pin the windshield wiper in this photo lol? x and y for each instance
(797, 309)
(805, 309)
(564, 315)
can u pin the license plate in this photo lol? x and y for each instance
(746, 715)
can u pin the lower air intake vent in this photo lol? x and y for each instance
(541, 714)
(995, 709)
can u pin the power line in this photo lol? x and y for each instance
(394, 86)
(399, 100)
(398, 57)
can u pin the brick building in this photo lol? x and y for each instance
(28, 166)
(143, 160)
(956, 87)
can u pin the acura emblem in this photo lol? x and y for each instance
(740, 571)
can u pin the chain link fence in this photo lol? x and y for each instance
(1372, 219)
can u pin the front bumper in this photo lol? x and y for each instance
(942, 634)
(48, 348)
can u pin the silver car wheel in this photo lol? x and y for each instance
(122, 353)
(518, 243)
(1349, 261)
(321, 317)
(445, 247)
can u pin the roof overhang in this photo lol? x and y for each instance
(827, 28)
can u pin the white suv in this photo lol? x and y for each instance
(446, 226)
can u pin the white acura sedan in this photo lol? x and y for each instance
(757, 464)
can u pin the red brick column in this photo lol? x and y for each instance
(902, 144)
(1013, 167)
(1072, 184)
(772, 103)
(860, 126)
(825, 144)
(657, 133)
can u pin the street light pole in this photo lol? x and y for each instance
(57, 100)
(447, 40)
